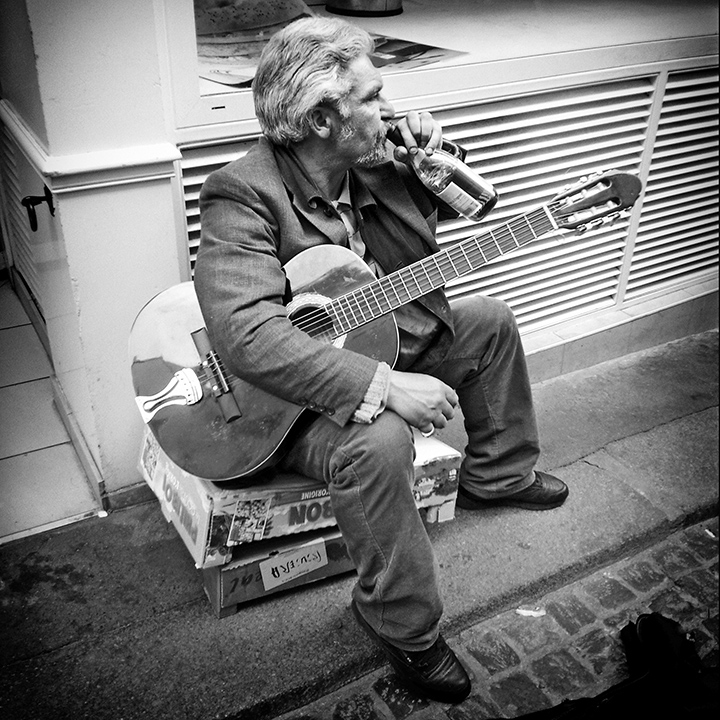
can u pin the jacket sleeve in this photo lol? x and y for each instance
(241, 286)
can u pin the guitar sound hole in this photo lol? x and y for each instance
(314, 321)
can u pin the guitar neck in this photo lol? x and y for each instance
(391, 292)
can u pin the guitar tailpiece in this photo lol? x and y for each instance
(184, 388)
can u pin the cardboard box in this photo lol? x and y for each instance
(214, 518)
(271, 566)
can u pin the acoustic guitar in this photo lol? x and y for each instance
(218, 427)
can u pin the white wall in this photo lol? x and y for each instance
(92, 127)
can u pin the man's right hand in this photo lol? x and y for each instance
(424, 401)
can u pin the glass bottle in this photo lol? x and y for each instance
(456, 184)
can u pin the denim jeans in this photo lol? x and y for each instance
(369, 472)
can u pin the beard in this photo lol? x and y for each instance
(375, 155)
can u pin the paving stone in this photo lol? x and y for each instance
(675, 560)
(531, 634)
(398, 697)
(702, 585)
(562, 673)
(601, 649)
(518, 694)
(642, 576)
(434, 712)
(618, 621)
(711, 624)
(474, 708)
(673, 605)
(357, 707)
(703, 541)
(702, 641)
(570, 613)
(609, 592)
(493, 653)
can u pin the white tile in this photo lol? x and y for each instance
(22, 356)
(43, 487)
(28, 419)
(12, 312)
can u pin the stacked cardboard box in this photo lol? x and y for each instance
(251, 541)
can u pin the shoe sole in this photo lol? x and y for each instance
(466, 503)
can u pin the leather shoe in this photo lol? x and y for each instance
(545, 493)
(435, 672)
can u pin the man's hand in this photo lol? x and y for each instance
(417, 130)
(424, 401)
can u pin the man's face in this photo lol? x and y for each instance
(367, 114)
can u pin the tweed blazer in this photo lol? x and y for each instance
(250, 229)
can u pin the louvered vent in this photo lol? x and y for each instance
(529, 148)
(677, 237)
(23, 253)
(197, 163)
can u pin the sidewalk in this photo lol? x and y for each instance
(108, 619)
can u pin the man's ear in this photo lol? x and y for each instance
(323, 120)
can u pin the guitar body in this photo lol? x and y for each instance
(197, 436)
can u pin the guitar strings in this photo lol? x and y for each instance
(438, 269)
(509, 240)
(312, 322)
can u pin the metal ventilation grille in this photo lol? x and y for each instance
(23, 255)
(197, 163)
(532, 146)
(677, 237)
(529, 148)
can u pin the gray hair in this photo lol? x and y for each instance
(302, 67)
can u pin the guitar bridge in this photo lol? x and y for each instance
(213, 366)
(219, 385)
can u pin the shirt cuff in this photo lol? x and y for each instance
(375, 396)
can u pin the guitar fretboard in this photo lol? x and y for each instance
(390, 292)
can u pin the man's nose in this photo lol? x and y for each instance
(387, 111)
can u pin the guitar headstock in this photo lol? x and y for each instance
(594, 200)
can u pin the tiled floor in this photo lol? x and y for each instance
(42, 483)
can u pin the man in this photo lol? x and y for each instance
(321, 176)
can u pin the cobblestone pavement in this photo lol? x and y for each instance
(563, 645)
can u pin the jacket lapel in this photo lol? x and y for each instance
(387, 188)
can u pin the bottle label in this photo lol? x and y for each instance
(459, 200)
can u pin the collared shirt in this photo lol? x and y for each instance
(347, 214)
